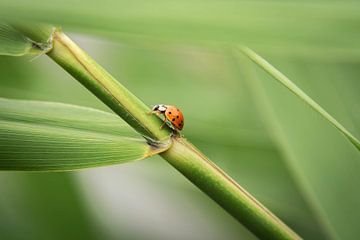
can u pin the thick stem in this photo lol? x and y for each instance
(209, 178)
(84, 69)
(182, 155)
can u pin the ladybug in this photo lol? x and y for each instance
(172, 115)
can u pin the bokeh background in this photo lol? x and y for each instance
(181, 53)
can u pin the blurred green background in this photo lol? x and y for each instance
(176, 52)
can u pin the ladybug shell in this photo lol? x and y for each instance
(175, 116)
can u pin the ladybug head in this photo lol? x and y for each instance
(159, 107)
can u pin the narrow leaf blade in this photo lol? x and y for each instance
(285, 81)
(47, 136)
(12, 42)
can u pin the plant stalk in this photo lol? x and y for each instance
(84, 69)
(210, 179)
(286, 82)
(182, 155)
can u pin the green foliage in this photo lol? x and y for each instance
(20, 39)
(182, 155)
(314, 153)
(277, 75)
(269, 141)
(42, 136)
(12, 42)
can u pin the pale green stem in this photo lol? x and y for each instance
(182, 155)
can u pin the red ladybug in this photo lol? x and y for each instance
(172, 115)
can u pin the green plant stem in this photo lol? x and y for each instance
(182, 155)
(83, 68)
(208, 177)
(285, 81)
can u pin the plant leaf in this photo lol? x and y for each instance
(285, 81)
(43, 136)
(247, 22)
(313, 151)
(13, 43)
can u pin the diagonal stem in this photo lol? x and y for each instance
(182, 155)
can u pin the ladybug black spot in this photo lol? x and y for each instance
(169, 112)
(177, 116)
(173, 119)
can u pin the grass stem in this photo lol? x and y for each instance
(182, 155)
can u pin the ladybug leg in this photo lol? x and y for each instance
(162, 126)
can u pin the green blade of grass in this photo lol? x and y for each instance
(245, 22)
(43, 136)
(311, 146)
(14, 43)
(285, 81)
(181, 154)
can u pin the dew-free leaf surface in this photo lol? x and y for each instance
(43, 136)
